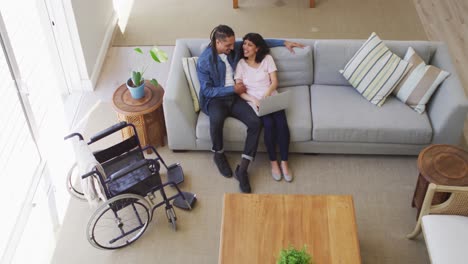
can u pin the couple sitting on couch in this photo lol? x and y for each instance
(233, 75)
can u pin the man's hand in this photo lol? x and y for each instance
(239, 88)
(290, 45)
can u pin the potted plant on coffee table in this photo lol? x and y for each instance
(293, 256)
(136, 82)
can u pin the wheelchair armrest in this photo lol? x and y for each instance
(107, 131)
(122, 172)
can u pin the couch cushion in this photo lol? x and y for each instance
(420, 83)
(293, 68)
(374, 70)
(446, 238)
(298, 115)
(332, 55)
(340, 114)
(190, 69)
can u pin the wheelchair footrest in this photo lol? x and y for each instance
(180, 203)
(175, 173)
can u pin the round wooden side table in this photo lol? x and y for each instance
(145, 113)
(442, 165)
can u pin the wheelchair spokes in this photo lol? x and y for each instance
(119, 222)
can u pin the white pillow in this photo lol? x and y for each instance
(190, 69)
(420, 83)
(374, 70)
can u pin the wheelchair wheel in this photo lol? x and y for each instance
(73, 183)
(171, 217)
(119, 222)
(155, 166)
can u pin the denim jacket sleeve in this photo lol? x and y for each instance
(274, 42)
(206, 74)
(270, 43)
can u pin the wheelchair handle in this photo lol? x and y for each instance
(109, 131)
(84, 176)
(73, 135)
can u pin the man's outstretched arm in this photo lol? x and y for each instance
(286, 43)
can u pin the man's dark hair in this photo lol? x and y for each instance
(258, 40)
(220, 32)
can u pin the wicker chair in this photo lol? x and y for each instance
(457, 204)
(445, 226)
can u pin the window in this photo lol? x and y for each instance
(32, 124)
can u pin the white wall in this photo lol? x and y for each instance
(95, 22)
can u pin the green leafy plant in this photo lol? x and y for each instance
(293, 256)
(158, 56)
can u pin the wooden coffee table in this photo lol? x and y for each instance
(255, 227)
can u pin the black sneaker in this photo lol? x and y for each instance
(222, 164)
(243, 178)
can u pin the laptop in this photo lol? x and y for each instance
(273, 103)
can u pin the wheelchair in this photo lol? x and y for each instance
(129, 185)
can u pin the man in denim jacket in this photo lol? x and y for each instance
(219, 98)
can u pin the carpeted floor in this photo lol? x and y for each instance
(160, 22)
(382, 187)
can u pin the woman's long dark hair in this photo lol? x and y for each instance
(258, 40)
(220, 32)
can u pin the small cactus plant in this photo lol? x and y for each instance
(158, 56)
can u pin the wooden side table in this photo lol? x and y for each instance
(442, 165)
(145, 113)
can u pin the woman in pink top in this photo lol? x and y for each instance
(257, 71)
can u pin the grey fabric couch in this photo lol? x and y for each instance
(326, 114)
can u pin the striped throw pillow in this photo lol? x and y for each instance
(374, 70)
(190, 69)
(420, 83)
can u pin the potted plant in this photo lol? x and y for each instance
(136, 83)
(294, 256)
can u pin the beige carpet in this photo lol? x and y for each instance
(382, 187)
(162, 21)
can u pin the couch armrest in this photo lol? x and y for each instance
(179, 113)
(448, 106)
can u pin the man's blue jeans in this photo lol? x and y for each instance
(222, 107)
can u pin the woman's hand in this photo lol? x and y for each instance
(256, 102)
